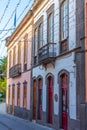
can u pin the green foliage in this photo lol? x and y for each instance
(3, 87)
(3, 65)
(3, 68)
(0, 99)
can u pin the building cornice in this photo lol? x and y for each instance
(23, 22)
(20, 26)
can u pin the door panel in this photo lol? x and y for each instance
(50, 99)
(64, 109)
(9, 99)
(40, 99)
(34, 100)
(64, 87)
(12, 100)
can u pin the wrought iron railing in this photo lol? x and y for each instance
(15, 71)
(47, 52)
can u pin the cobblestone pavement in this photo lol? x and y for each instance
(9, 122)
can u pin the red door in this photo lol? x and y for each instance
(64, 101)
(40, 99)
(50, 99)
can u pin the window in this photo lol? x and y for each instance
(50, 27)
(14, 56)
(25, 95)
(64, 26)
(40, 35)
(36, 42)
(38, 38)
(18, 95)
(64, 20)
(25, 51)
(19, 52)
(10, 59)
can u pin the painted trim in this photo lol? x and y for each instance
(60, 5)
(39, 77)
(46, 82)
(60, 109)
(25, 82)
(50, 11)
(18, 83)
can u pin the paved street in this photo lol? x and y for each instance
(8, 122)
(3, 108)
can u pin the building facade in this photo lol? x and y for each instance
(19, 68)
(58, 62)
(46, 70)
(83, 44)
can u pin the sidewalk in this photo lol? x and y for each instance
(22, 124)
(3, 108)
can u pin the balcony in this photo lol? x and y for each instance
(15, 71)
(47, 53)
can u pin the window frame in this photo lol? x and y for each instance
(36, 26)
(14, 55)
(64, 42)
(40, 35)
(19, 52)
(10, 53)
(35, 48)
(25, 51)
(49, 12)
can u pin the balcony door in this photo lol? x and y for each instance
(34, 100)
(64, 102)
(50, 98)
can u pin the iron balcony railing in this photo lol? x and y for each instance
(15, 71)
(47, 53)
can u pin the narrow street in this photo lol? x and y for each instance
(8, 122)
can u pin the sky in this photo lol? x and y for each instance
(8, 8)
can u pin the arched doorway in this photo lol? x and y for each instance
(34, 99)
(9, 99)
(13, 97)
(50, 99)
(39, 98)
(64, 100)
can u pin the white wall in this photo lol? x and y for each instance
(65, 62)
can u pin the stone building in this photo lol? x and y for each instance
(19, 68)
(46, 70)
(55, 59)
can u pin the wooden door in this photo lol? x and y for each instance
(40, 99)
(34, 100)
(9, 99)
(64, 87)
(12, 100)
(50, 99)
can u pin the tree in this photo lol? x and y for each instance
(3, 65)
(3, 70)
